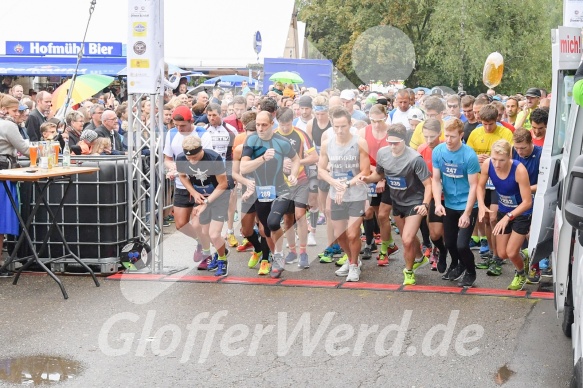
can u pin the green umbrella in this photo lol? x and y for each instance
(287, 77)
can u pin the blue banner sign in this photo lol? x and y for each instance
(94, 49)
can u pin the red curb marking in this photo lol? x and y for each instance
(438, 289)
(495, 292)
(309, 283)
(332, 284)
(542, 295)
(135, 276)
(240, 280)
(191, 278)
(370, 286)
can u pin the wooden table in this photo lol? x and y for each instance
(41, 181)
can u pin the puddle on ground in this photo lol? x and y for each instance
(38, 370)
(504, 373)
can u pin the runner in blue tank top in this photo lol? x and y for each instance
(529, 154)
(510, 180)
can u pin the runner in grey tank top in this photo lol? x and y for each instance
(343, 161)
(345, 165)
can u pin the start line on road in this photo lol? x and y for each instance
(332, 284)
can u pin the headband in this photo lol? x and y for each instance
(320, 108)
(397, 134)
(193, 151)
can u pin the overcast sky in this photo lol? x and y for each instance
(213, 33)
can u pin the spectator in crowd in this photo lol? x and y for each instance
(39, 115)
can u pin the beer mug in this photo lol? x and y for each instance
(493, 70)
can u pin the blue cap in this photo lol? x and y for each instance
(22, 107)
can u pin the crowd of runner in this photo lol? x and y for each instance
(457, 170)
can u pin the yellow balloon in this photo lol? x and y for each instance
(493, 70)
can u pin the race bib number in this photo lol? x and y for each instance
(342, 175)
(490, 185)
(372, 190)
(265, 193)
(397, 183)
(205, 190)
(507, 200)
(452, 170)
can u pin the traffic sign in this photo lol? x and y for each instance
(257, 42)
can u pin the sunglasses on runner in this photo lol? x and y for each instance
(377, 121)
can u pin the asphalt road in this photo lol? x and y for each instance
(153, 333)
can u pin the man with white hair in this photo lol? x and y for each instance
(109, 129)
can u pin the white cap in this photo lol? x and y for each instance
(347, 94)
(415, 114)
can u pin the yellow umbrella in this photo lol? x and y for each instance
(85, 87)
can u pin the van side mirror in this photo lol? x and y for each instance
(574, 197)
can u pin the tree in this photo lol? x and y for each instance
(452, 38)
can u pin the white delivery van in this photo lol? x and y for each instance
(557, 221)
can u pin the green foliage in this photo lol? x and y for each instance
(452, 38)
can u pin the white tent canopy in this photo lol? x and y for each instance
(198, 34)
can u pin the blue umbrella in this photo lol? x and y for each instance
(230, 81)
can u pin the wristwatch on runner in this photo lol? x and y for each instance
(510, 216)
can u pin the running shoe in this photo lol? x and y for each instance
(333, 250)
(547, 273)
(6, 274)
(409, 278)
(232, 240)
(447, 274)
(353, 273)
(169, 219)
(322, 219)
(254, 259)
(441, 264)
(326, 257)
(366, 253)
(426, 251)
(345, 269)
(434, 255)
(457, 272)
(291, 258)
(434, 265)
(373, 247)
(264, 268)
(518, 282)
(474, 245)
(245, 246)
(484, 262)
(312, 240)
(495, 268)
(382, 260)
(197, 257)
(533, 276)
(222, 268)
(484, 247)
(204, 263)
(468, 280)
(214, 264)
(420, 263)
(377, 239)
(304, 261)
(340, 262)
(392, 249)
(277, 265)
(165, 223)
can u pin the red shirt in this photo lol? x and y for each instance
(426, 152)
(538, 142)
(235, 122)
(374, 144)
